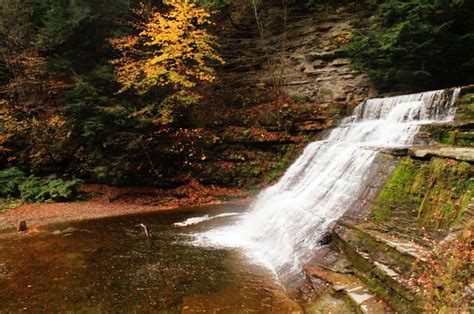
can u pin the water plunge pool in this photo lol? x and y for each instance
(107, 265)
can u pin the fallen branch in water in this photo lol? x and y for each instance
(145, 228)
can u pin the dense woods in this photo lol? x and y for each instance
(417, 44)
(179, 111)
(100, 90)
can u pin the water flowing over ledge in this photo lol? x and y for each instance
(285, 224)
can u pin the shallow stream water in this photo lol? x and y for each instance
(108, 265)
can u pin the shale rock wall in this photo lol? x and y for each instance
(408, 244)
(279, 90)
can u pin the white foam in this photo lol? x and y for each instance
(284, 225)
(196, 220)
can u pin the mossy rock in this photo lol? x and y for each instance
(465, 111)
(434, 193)
(456, 134)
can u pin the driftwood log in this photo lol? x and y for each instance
(22, 225)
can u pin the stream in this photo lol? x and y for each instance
(109, 265)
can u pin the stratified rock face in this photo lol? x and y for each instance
(275, 94)
(256, 144)
(418, 218)
(315, 64)
(306, 58)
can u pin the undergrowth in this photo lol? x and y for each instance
(16, 187)
(446, 280)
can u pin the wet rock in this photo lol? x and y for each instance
(326, 239)
(359, 294)
(330, 304)
(70, 230)
(396, 151)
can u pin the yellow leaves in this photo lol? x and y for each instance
(10, 124)
(39, 133)
(171, 49)
(56, 122)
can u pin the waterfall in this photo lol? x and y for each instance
(284, 225)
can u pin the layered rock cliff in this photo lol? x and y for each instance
(409, 244)
(282, 87)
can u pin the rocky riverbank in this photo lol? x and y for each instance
(105, 201)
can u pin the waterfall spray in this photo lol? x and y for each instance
(284, 225)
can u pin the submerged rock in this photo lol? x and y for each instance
(326, 239)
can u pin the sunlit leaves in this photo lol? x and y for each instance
(171, 49)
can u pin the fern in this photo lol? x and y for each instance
(48, 190)
(10, 178)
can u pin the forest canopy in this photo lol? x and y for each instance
(101, 90)
(93, 88)
(418, 44)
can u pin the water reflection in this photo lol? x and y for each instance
(109, 266)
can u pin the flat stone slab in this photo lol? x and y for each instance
(354, 288)
(403, 246)
(458, 153)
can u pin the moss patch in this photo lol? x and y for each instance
(435, 192)
(466, 107)
(452, 135)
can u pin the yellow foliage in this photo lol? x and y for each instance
(43, 136)
(10, 124)
(171, 49)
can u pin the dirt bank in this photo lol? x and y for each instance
(104, 201)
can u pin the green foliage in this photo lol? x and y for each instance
(13, 184)
(418, 44)
(212, 4)
(10, 178)
(48, 190)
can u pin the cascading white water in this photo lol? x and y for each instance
(286, 222)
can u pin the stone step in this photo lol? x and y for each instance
(359, 295)
(457, 153)
(383, 246)
(384, 263)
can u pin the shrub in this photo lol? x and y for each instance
(48, 190)
(417, 44)
(10, 178)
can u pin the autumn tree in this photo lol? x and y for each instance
(24, 83)
(171, 50)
